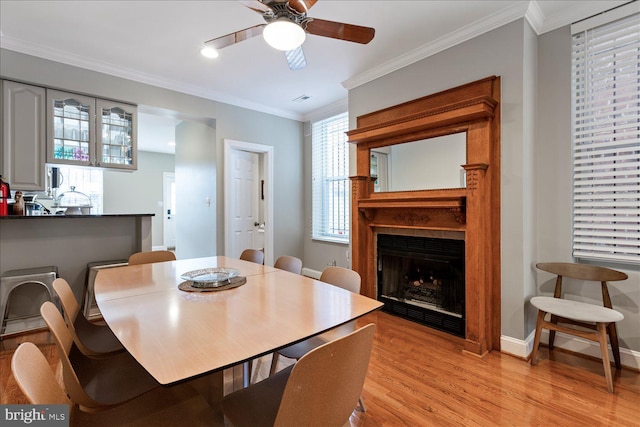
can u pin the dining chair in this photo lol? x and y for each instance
(321, 389)
(289, 263)
(93, 340)
(337, 276)
(253, 255)
(179, 405)
(95, 384)
(151, 257)
(565, 314)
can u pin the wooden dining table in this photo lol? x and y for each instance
(178, 335)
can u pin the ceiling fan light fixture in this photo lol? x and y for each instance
(209, 52)
(283, 34)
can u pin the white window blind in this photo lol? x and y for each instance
(606, 140)
(330, 179)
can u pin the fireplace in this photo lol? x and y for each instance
(472, 212)
(422, 279)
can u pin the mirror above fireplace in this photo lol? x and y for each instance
(425, 164)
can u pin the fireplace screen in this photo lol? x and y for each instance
(423, 278)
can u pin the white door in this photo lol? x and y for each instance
(244, 201)
(169, 210)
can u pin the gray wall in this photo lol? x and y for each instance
(535, 155)
(140, 191)
(231, 123)
(554, 181)
(286, 137)
(195, 182)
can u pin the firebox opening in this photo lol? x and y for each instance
(423, 279)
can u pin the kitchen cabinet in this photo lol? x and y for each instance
(86, 131)
(117, 145)
(23, 136)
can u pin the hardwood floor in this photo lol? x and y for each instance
(421, 377)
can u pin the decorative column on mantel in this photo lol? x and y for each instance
(474, 109)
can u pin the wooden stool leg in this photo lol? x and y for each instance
(552, 333)
(613, 338)
(536, 340)
(602, 336)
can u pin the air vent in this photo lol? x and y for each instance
(301, 98)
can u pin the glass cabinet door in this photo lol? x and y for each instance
(117, 136)
(71, 128)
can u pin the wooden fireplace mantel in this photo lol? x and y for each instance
(473, 108)
(439, 209)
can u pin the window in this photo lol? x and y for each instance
(330, 179)
(606, 137)
(84, 180)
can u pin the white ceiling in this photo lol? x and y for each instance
(158, 42)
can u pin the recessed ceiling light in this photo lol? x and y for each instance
(209, 52)
(172, 143)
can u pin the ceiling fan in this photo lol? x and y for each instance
(286, 26)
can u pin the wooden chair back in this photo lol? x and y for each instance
(325, 384)
(178, 405)
(289, 263)
(151, 257)
(252, 255)
(584, 272)
(95, 384)
(35, 378)
(91, 339)
(64, 341)
(342, 277)
(70, 305)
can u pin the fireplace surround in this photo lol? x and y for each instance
(473, 211)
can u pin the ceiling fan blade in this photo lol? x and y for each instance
(256, 5)
(338, 30)
(296, 59)
(233, 38)
(302, 6)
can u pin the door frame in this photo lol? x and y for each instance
(266, 158)
(165, 198)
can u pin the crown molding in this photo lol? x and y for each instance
(582, 10)
(337, 107)
(535, 17)
(530, 11)
(454, 38)
(92, 64)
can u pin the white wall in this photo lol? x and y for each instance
(195, 190)
(140, 191)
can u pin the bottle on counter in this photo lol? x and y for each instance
(5, 195)
(18, 206)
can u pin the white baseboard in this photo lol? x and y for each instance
(314, 274)
(523, 348)
(158, 248)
